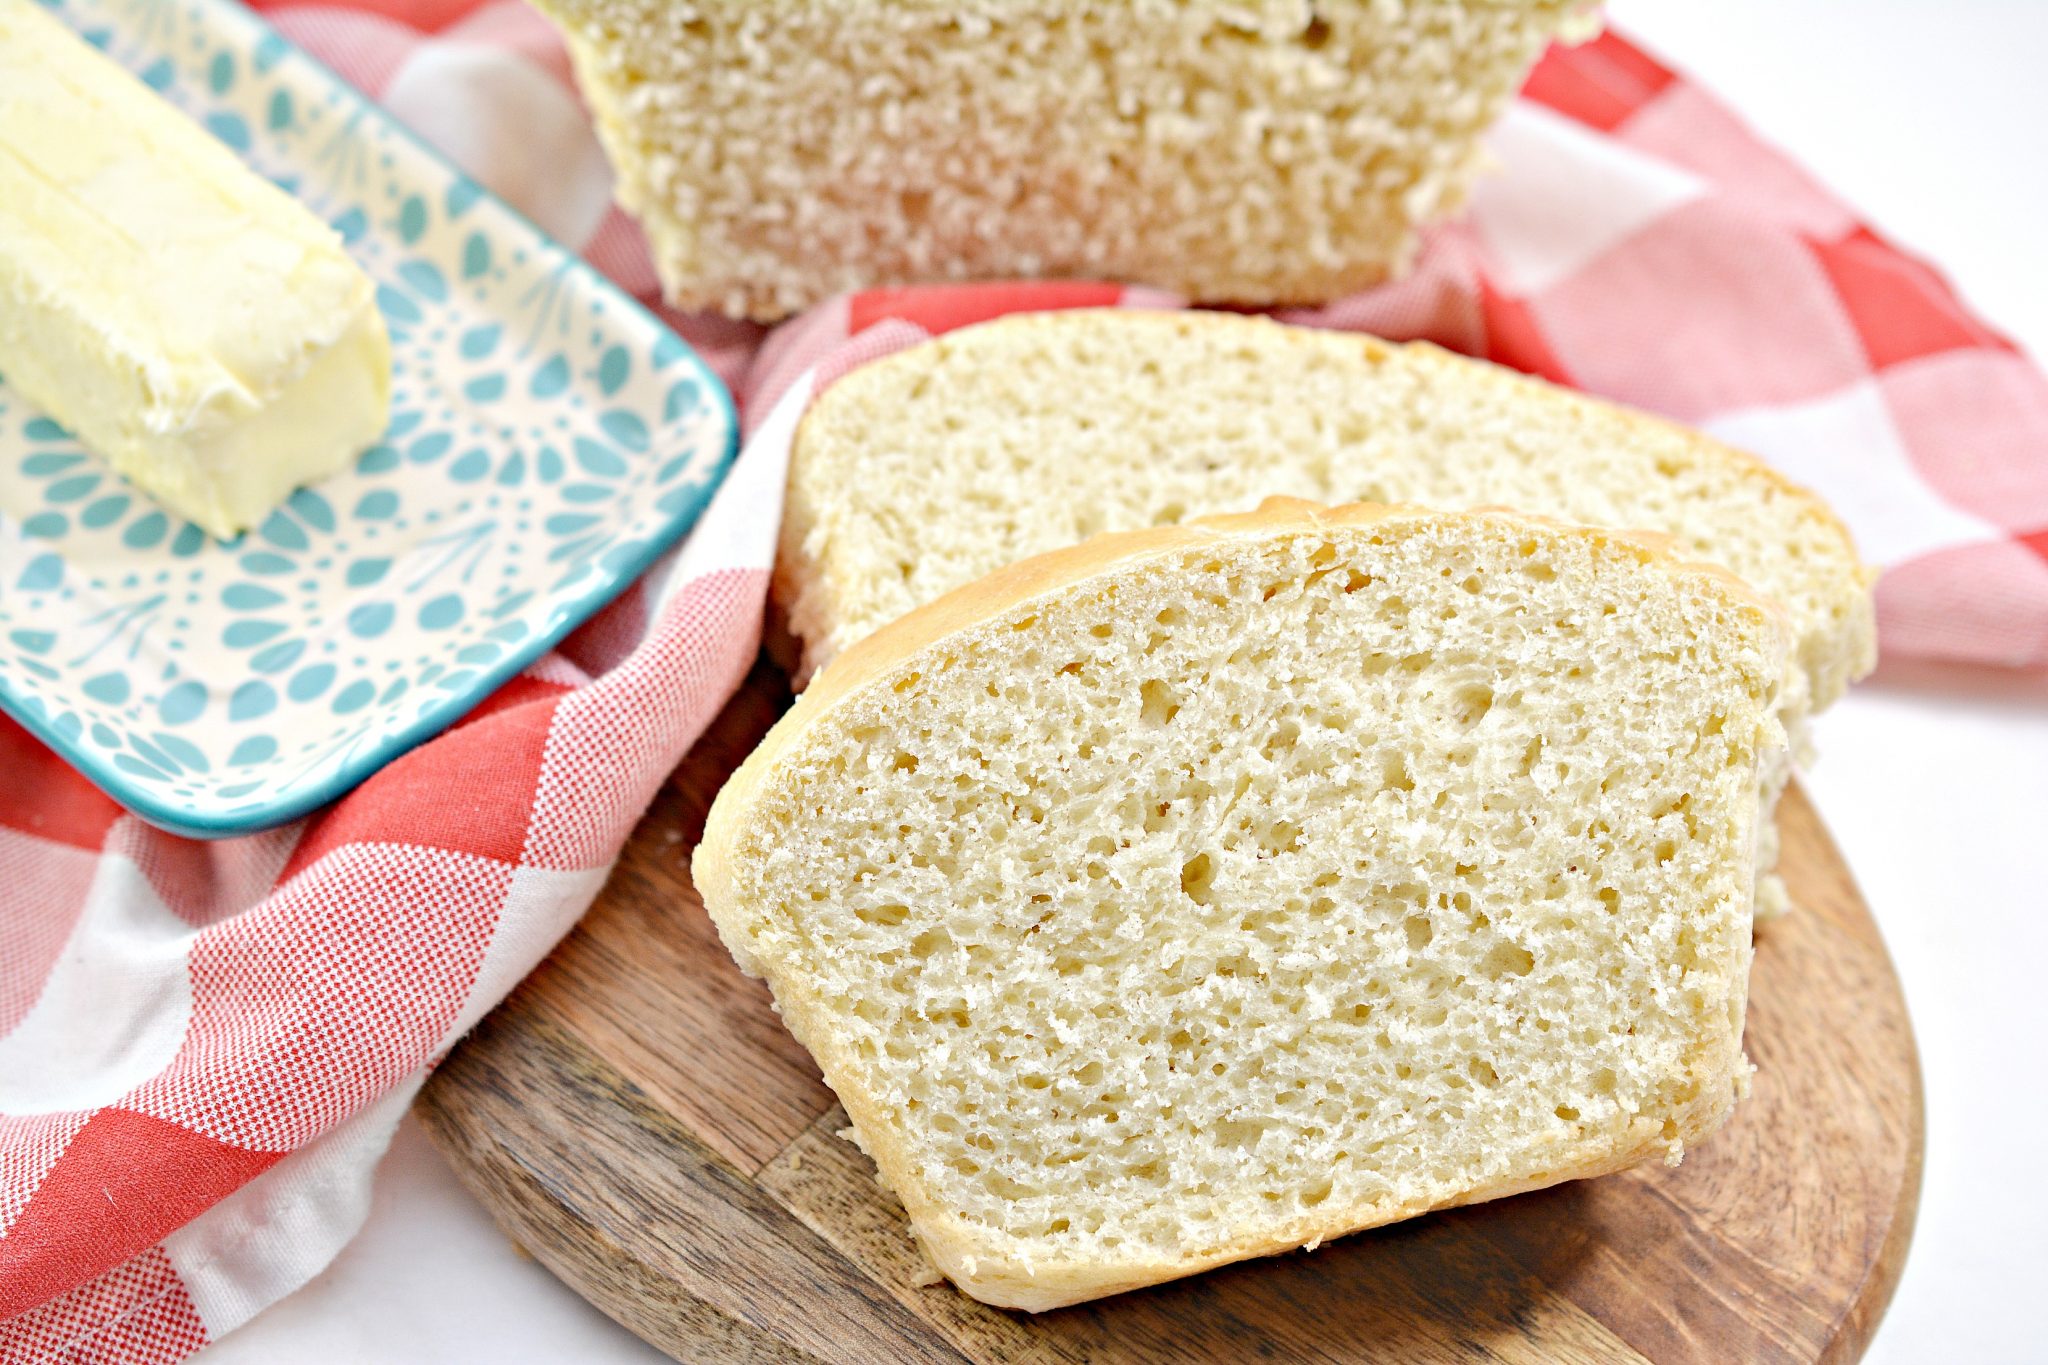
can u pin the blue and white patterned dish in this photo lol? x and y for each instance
(548, 439)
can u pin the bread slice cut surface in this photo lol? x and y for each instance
(935, 466)
(1248, 151)
(1208, 891)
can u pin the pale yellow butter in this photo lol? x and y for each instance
(188, 320)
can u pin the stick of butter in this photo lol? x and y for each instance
(185, 318)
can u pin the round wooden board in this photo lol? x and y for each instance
(637, 1118)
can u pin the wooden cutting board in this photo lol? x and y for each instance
(636, 1117)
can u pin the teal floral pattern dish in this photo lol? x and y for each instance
(548, 439)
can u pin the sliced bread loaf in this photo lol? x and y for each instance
(1202, 892)
(931, 468)
(1251, 151)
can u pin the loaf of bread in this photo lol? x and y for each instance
(1251, 151)
(1201, 892)
(931, 468)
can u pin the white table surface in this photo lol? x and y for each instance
(1932, 119)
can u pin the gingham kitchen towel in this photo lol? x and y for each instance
(204, 1047)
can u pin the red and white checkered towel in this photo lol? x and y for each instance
(204, 1047)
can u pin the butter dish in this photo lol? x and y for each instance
(547, 440)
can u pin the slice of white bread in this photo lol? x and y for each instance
(1202, 892)
(1251, 151)
(935, 466)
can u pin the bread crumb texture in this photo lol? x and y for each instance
(1250, 151)
(940, 464)
(1273, 885)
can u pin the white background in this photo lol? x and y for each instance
(1932, 118)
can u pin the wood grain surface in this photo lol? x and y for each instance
(636, 1117)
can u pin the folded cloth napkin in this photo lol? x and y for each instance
(204, 1048)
